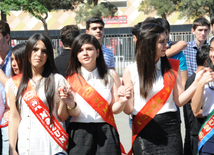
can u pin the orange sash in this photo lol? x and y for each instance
(93, 98)
(41, 112)
(151, 108)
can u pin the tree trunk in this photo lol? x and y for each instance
(46, 27)
(163, 15)
(3, 16)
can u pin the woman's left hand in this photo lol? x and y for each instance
(124, 93)
(66, 95)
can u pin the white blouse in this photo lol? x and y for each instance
(33, 139)
(88, 114)
(2, 106)
(139, 101)
(208, 99)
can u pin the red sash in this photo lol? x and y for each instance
(4, 124)
(151, 108)
(93, 98)
(41, 112)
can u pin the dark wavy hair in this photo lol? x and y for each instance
(74, 65)
(48, 73)
(145, 54)
(18, 52)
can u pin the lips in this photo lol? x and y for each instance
(15, 70)
(38, 60)
(86, 58)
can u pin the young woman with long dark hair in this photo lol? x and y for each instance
(157, 89)
(37, 113)
(99, 95)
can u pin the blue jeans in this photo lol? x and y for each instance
(5, 141)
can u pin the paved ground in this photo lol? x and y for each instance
(124, 130)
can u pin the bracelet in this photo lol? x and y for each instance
(74, 108)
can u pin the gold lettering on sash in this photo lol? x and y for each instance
(211, 123)
(100, 104)
(158, 100)
(154, 106)
(167, 89)
(88, 92)
(105, 109)
(139, 123)
(207, 127)
(96, 99)
(110, 118)
(149, 111)
(165, 94)
(143, 117)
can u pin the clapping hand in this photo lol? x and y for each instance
(66, 95)
(124, 93)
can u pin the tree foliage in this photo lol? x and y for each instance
(38, 8)
(163, 7)
(93, 9)
(196, 8)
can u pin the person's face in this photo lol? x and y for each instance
(161, 46)
(96, 30)
(211, 53)
(134, 39)
(212, 27)
(38, 55)
(87, 56)
(14, 65)
(4, 42)
(167, 34)
(201, 33)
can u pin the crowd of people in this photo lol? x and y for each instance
(67, 105)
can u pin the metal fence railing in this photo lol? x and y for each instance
(122, 46)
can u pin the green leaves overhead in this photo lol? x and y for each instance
(88, 10)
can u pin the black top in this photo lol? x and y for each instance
(61, 61)
(194, 122)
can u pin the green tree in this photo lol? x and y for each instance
(196, 8)
(92, 9)
(38, 8)
(163, 7)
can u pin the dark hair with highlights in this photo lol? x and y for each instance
(145, 54)
(48, 72)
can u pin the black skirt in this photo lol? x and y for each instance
(161, 136)
(93, 139)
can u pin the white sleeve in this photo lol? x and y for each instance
(2, 106)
